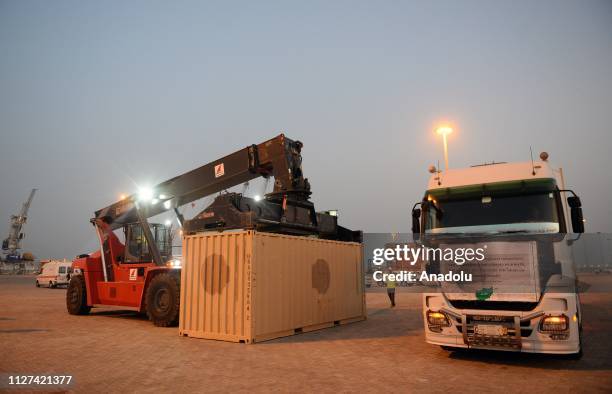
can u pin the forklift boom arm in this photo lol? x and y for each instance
(278, 157)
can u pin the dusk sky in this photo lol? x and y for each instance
(97, 98)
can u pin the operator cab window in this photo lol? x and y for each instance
(137, 248)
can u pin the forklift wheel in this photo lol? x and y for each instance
(76, 296)
(163, 299)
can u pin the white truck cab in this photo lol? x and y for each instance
(54, 273)
(523, 295)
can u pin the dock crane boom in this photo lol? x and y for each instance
(12, 244)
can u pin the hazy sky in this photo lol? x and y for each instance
(97, 97)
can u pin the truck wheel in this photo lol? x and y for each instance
(37, 284)
(51, 285)
(76, 296)
(163, 299)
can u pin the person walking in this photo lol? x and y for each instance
(390, 284)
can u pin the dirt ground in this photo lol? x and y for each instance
(115, 351)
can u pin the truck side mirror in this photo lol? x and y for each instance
(416, 221)
(576, 214)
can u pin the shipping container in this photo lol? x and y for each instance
(248, 286)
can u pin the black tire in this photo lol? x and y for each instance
(76, 296)
(51, 285)
(163, 300)
(37, 284)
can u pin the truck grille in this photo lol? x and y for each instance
(492, 331)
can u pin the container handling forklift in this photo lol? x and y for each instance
(141, 274)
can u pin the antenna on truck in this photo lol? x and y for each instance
(532, 165)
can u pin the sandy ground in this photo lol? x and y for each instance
(115, 351)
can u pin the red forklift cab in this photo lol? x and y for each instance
(122, 275)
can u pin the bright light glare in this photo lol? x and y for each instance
(167, 222)
(444, 130)
(174, 263)
(257, 197)
(122, 196)
(145, 194)
(167, 204)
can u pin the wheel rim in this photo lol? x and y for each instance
(162, 300)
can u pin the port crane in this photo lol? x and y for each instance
(12, 244)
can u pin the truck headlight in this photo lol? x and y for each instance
(437, 319)
(554, 323)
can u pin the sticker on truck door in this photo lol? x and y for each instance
(133, 273)
(219, 170)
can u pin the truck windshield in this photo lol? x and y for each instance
(533, 212)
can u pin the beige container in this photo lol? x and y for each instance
(248, 286)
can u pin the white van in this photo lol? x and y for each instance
(55, 273)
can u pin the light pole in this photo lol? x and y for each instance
(444, 131)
